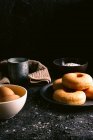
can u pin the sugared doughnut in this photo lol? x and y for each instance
(77, 81)
(89, 92)
(57, 84)
(69, 97)
(9, 98)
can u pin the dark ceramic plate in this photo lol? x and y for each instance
(47, 93)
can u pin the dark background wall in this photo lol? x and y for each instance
(46, 29)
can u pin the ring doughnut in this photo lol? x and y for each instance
(77, 81)
(69, 97)
(89, 92)
(57, 84)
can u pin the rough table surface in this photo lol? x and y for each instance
(41, 120)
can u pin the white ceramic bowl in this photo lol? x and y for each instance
(11, 108)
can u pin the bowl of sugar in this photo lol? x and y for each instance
(66, 65)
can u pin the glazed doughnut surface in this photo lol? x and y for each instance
(69, 97)
(57, 84)
(77, 81)
(89, 92)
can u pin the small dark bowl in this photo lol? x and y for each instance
(61, 67)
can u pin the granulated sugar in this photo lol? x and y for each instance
(71, 64)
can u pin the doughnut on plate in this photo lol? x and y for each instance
(47, 93)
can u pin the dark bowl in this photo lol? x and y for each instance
(66, 65)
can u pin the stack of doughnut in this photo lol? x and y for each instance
(73, 88)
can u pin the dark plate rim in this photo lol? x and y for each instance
(43, 92)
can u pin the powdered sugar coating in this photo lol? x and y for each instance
(71, 64)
